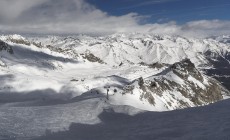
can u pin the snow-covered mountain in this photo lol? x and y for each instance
(149, 72)
(180, 85)
(137, 48)
(48, 83)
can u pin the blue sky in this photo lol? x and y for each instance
(199, 18)
(168, 10)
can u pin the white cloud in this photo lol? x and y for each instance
(78, 16)
(202, 28)
(12, 8)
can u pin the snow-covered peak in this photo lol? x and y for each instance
(14, 36)
(223, 39)
(133, 48)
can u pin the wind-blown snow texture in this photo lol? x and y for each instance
(47, 83)
(211, 123)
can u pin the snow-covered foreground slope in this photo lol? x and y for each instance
(211, 122)
(32, 121)
(90, 119)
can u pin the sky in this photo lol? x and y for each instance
(162, 11)
(196, 18)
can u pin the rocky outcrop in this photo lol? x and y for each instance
(19, 41)
(92, 58)
(181, 85)
(186, 68)
(154, 65)
(220, 65)
(6, 47)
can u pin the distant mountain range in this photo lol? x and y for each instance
(150, 72)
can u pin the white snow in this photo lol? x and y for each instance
(173, 77)
(196, 82)
(48, 89)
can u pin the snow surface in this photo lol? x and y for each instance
(90, 119)
(57, 65)
(52, 92)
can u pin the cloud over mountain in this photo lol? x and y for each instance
(78, 16)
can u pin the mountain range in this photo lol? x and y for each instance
(129, 72)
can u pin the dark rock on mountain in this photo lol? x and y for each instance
(5, 47)
(220, 67)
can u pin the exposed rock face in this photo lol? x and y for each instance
(181, 85)
(185, 68)
(19, 41)
(220, 64)
(154, 65)
(92, 58)
(5, 47)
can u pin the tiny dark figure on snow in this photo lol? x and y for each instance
(107, 94)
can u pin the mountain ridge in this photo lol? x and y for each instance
(128, 57)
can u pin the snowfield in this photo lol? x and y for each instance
(67, 87)
(90, 119)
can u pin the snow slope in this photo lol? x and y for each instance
(211, 122)
(90, 119)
